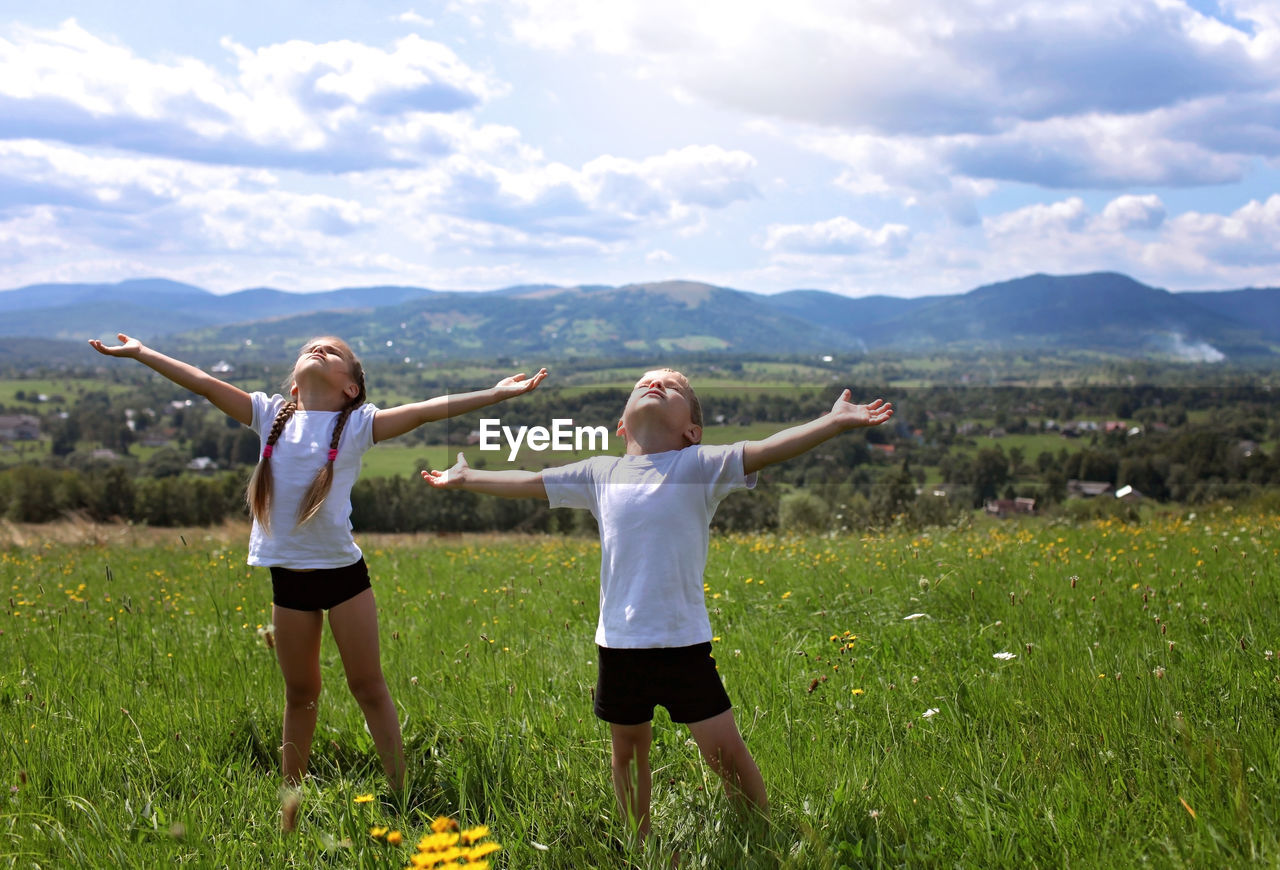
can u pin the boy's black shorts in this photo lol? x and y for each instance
(320, 589)
(631, 682)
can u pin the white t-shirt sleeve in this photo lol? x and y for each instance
(723, 473)
(572, 485)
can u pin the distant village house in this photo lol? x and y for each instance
(1007, 507)
(19, 427)
(1087, 488)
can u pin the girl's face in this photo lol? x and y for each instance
(329, 361)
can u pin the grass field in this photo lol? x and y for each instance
(1003, 695)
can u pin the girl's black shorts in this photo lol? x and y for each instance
(631, 682)
(320, 589)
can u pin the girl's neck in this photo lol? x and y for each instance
(316, 399)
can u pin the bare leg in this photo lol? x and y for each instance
(354, 624)
(631, 748)
(298, 651)
(722, 746)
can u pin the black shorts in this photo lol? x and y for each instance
(320, 589)
(631, 682)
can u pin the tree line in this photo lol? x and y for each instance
(1195, 443)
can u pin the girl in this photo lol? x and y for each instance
(300, 500)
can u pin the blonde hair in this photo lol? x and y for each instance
(695, 406)
(258, 494)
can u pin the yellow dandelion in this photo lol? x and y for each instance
(479, 832)
(444, 823)
(394, 838)
(377, 832)
(437, 842)
(478, 852)
(858, 692)
(363, 799)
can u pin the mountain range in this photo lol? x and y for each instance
(1101, 311)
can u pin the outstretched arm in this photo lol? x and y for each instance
(508, 484)
(791, 442)
(390, 422)
(227, 398)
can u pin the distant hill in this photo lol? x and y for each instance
(1256, 306)
(1102, 311)
(1099, 311)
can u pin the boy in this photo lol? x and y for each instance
(654, 506)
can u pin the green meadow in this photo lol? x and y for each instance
(990, 695)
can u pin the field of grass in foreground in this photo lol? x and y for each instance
(998, 696)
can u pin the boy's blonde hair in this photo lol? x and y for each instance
(695, 406)
(258, 494)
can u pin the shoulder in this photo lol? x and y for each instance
(591, 467)
(265, 407)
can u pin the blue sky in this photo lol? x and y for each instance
(855, 146)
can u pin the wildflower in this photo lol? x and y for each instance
(442, 824)
(394, 838)
(377, 832)
(479, 832)
(483, 849)
(858, 692)
(1004, 656)
(932, 711)
(363, 799)
(875, 814)
(1159, 672)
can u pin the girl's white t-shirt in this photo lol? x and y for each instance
(298, 455)
(654, 512)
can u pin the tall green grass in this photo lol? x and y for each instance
(1135, 723)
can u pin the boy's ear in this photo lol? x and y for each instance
(693, 434)
(620, 431)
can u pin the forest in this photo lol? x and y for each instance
(970, 434)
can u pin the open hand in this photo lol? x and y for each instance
(517, 384)
(853, 416)
(129, 347)
(452, 478)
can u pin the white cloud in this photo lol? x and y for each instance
(608, 199)
(1059, 95)
(1131, 212)
(330, 106)
(838, 236)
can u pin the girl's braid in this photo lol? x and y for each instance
(315, 494)
(258, 495)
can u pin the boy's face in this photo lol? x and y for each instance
(662, 396)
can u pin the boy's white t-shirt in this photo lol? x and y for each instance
(296, 458)
(654, 512)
